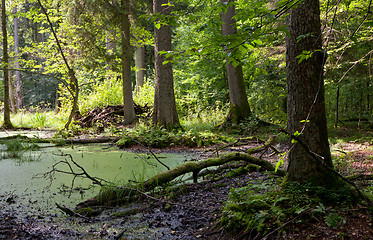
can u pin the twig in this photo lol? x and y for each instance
(70, 212)
(151, 152)
(82, 174)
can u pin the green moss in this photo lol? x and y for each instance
(237, 172)
(112, 195)
(89, 212)
(127, 212)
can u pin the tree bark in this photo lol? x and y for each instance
(306, 104)
(129, 110)
(12, 98)
(140, 65)
(17, 66)
(111, 48)
(239, 106)
(165, 113)
(7, 123)
(337, 107)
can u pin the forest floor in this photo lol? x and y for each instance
(193, 211)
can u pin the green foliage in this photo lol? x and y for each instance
(343, 163)
(101, 94)
(334, 220)
(199, 55)
(160, 137)
(145, 96)
(263, 207)
(38, 119)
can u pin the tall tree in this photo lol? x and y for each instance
(16, 61)
(140, 65)
(73, 84)
(165, 113)
(239, 106)
(7, 123)
(306, 104)
(129, 110)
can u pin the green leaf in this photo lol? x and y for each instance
(258, 41)
(157, 25)
(300, 210)
(279, 163)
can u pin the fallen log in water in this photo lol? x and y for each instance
(125, 194)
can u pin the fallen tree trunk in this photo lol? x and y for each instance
(126, 194)
(92, 140)
(196, 167)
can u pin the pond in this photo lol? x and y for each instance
(23, 186)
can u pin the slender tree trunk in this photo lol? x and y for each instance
(165, 113)
(17, 66)
(7, 123)
(306, 104)
(368, 96)
(73, 86)
(337, 108)
(12, 98)
(140, 65)
(129, 110)
(360, 106)
(239, 106)
(111, 47)
(56, 104)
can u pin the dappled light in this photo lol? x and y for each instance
(186, 119)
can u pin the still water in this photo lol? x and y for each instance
(24, 182)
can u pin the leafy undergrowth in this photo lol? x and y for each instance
(263, 210)
(159, 137)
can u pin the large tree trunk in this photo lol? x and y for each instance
(239, 106)
(165, 113)
(306, 105)
(16, 61)
(7, 123)
(129, 110)
(140, 65)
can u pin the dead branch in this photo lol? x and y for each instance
(362, 177)
(82, 173)
(150, 151)
(92, 140)
(128, 194)
(70, 212)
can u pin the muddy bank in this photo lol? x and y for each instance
(188, 213)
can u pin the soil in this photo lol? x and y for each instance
(192, 212)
